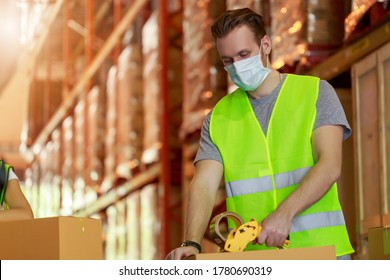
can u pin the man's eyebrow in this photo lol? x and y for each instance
(224, 57)
(238, 53)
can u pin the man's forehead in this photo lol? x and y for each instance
(238, 40)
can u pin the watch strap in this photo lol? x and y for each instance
(193, 244)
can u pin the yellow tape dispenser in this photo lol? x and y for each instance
(239, 237)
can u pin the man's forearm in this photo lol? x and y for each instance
(15, 214)
(201, 198)
(327, 150)
(314, 186)
(199, 210)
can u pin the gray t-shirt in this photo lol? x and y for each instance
(329, 112)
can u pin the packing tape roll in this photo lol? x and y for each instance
(214, 230)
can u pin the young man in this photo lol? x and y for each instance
(277, 140)
(17, 206)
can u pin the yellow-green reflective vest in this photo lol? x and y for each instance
(261, 171)
(4, 173)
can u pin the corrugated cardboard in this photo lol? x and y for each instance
(379, 243)
(313, 253)
(55, 238)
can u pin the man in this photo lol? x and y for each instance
(277, 140)
(16, 204)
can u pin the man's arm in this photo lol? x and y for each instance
(19, 208)
(201, 200)
(327, 148)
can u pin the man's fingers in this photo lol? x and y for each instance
(262, 238)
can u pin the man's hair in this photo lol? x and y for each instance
(232, 19)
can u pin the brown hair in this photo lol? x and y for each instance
(232, 19)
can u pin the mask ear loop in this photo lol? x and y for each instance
(266, 56)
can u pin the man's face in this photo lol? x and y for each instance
(237, 45)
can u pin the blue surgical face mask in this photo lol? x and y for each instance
(249, 73)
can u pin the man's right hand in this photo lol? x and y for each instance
(181, 253)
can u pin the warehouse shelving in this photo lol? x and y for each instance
(150, 175)
(91, 69)
(159, 172)
(342, 60)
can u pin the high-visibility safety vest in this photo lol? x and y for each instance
(261, 171)
(4, 174)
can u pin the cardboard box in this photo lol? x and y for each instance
(54, 238)
(313, 253)
(379, 243)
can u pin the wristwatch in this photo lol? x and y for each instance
(193, 244)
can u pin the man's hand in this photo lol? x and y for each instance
(181, 253)
(275, 229)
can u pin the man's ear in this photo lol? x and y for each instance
(266, 44)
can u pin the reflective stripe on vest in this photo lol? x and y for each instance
(317, 220)
(263, 184)
(261, 171)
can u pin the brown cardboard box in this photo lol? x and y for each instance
(55, 238)
(313, 253)
(379, 243)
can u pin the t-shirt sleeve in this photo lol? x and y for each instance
(329, 109)
(12, 175)
(207, 149)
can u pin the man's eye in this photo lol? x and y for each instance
(227, 62)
